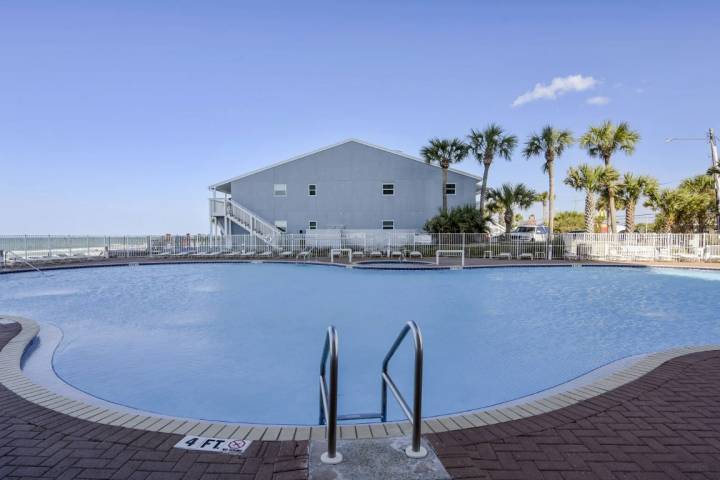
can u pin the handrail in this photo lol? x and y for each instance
(17, 258)
(328, 403)
(415, 450)
(272, 228)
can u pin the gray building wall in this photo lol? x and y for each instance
(349, 179)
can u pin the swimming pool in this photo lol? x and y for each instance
(241, 342)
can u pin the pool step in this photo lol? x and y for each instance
(358, 416)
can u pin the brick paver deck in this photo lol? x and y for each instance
(666, 425)
(37, 442)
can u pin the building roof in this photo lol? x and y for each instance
(224, 186)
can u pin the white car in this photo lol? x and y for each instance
(530, 233)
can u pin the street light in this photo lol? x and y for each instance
(714, 168)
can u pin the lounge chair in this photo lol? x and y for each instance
(376, 254)
(504, 256)
(525, 256)
(396, 253)
(287, 254)
(415, 254)
(358, 253)
(265, 254)
(304, 254)
(249, 254)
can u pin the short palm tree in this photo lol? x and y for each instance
(602, 141)
(666, 203)
(542, 197)
(508, 197)
(444, 153)
(485, 145)
(550, 143)
(590, 180)
(630, 191)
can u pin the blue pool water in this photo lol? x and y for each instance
(241, 342)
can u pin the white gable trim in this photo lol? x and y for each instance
(394, 152)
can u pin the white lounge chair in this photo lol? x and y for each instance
(504, 256)
(376, 254)
(525, 256)
(304, 254)
(358, 253)
(416, 254)
(265, 254)
(287, 254)
(396, 253)
(249, 254)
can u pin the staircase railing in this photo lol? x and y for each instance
(247, 219)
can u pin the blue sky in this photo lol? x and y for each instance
(116, 116)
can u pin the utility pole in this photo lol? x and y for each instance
(716, 175)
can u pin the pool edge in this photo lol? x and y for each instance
(13, 378)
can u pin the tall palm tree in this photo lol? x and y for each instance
(445, 152)
(630, 191)
(590, 180)
(485, 145)
(551, 143)
(507, 198)
(602, 141)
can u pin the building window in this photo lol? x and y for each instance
(388, 189)
(312, 189)
(312, 225)
(281, 225)
(449, 189)
(280, 190)
(388, 225)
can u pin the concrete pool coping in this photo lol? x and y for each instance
(555, 398)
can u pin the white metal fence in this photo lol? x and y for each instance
(367, 244)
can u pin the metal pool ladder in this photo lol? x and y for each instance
(328, 393)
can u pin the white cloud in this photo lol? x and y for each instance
(597, 101)
(558, 86)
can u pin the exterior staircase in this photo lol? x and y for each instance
(251, 222)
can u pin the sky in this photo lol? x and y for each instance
(116, 116)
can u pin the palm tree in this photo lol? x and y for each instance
(551, 143)
(666, 203)
(444, 152)
(590, 180)
(542, 197)
(630, 191)
(485, 145)
(603, 141)
(508, 197)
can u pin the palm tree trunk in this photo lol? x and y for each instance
(483, 190)
(545, 211)
(444, 189)
(630, 217)
(508, 220)
(611, 221)
(589, 212)
(551, 194)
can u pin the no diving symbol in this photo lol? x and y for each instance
(237, 445)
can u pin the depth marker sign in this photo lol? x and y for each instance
(218, 445)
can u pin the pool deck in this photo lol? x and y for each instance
(429, 263)
(661, 424)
